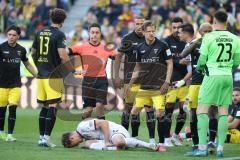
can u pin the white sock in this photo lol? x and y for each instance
(183, 135)
(46, 137)
(41, 137)
(101, 146)
(166, 139)
(202, 147)
(9, 134)
(152, 140)
(174, 135)
(132, 142)
(219, 148)
(1, 132)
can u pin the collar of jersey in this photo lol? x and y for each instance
(95, 45)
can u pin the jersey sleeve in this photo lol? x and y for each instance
(236, 56)
(24, 55)
(125, 46)
(166, 52)
(86, 126)
(203, 53)
(34, 45)
(138, 54)
(61, 41)
(77, 49)
(238, 113)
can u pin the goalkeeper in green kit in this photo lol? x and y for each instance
(219, 55)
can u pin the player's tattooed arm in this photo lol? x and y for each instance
(117, 65)
(188, 50)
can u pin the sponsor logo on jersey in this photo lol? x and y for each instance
(6, 52)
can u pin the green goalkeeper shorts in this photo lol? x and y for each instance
(216, 90)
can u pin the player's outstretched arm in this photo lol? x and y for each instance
(188, 50)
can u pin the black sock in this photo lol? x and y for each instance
(11, 118)
(181, 119)
(125, 120)
(135, 123)
(168, 121)
(50, 120)
(101, 117)
(150, 119)
(161, 128)
(2, 117)
(42, 120)
(213, 124)
(193, 126)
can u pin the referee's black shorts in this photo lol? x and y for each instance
(94, 90)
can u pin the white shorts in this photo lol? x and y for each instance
(118, 130)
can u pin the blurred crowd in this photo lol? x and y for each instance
(116, 16)
(29, 15)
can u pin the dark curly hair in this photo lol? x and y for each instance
(66, 142)
(57, 15)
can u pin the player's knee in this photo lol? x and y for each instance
(134, 111)
(223, 111)
(119, 141)
(160, 113)
(212, 113)
(169, 105)
(202, 109)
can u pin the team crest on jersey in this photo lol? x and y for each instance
(65, 42)
(19, 53)
(155, 51)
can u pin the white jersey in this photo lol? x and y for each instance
(87, 129)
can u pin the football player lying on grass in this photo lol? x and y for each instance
(102, 135)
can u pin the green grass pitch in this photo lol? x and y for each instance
(26, 132)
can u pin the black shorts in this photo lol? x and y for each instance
(94, 90)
